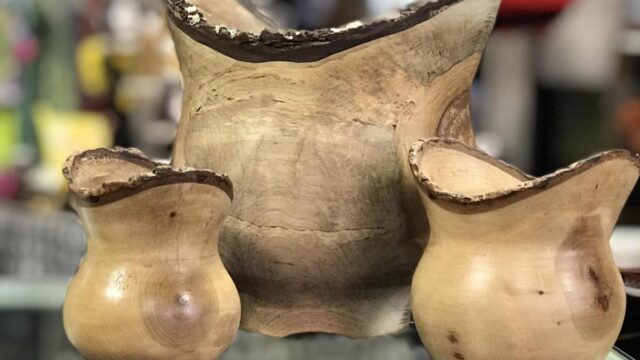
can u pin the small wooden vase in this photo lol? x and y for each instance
(516, 267)
(152, 285)
(315, 128)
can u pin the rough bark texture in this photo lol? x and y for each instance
(324, 233)
(521, 267)
(152, 285)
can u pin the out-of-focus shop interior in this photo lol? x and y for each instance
(560, 81)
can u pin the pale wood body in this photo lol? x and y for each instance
(519, 268)
(152, 285)
(323, 235)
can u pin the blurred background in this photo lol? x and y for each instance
(560, 80)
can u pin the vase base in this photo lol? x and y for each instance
(367, 315)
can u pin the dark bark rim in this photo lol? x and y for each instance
(156, 176)
(528, 187)
(291, 45)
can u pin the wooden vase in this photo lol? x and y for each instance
(521, 267)
(315, 127)
(152, 285)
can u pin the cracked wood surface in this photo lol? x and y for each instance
(317, 152)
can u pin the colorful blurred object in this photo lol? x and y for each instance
(529, 12)
(9, 137)
(628, 120)
(532, 6)
(91, 60)
(61, 133)
(9, 184)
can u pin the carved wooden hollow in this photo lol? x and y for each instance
(152, 285)
(517, 267)
(314, 128)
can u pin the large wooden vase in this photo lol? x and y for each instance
(314, 127)
(152, 285)
(516, 267)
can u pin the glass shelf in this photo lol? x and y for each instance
(617, 354)
(48, 295)
(36, 295)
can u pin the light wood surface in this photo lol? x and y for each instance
(516, 267)
(152, 285)
(325, 230)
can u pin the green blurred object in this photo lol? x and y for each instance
(9, 137)
(57, 83)
(8, 66)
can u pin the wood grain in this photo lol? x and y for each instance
(152, 285)
(324, 234)
(522, 266)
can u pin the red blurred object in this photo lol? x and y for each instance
(529, 12)
(9, 184)
(628, 119)
(532, 6)
(27, 50)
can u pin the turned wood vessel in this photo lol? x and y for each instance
(315, 127)
(517, 267)
(152, 285)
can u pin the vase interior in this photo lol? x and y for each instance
(458, 172)
(245, 17)
(92, 172)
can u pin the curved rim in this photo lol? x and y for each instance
(295, 45)
(528, 187)
(157, 175)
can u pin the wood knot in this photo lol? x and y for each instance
(179, 310)
(183, 299)
(603, 296)
(453, 337)
(594, 275)
(589, 278)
